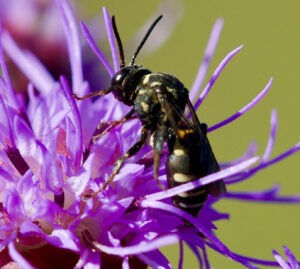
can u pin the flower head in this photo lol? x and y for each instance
(51, 164)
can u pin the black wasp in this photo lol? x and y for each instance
(159, 101)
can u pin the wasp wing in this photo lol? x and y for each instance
(185, 130)
(217, 187)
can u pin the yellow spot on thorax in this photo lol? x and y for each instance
(145, 107)
(146, 79)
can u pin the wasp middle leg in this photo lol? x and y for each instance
(119, 163)
(159, 138)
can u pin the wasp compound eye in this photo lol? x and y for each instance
(118, 78)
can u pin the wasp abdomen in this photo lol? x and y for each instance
(182, 167)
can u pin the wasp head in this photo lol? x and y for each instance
(125, 82)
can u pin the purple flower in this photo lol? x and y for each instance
(50, 164)
(291, 262)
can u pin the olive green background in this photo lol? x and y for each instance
(270, 33)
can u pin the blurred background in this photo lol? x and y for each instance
(269, 31)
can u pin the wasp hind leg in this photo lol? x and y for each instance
(203, 127)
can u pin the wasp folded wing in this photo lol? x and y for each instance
(218, 187)
(190, 155)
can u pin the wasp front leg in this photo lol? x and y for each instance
(93, 94)
(112, 124)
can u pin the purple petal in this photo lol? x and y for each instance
(174, 210)
(291, 258)
(283, 264)
(28, 189)
(6, 120)
(206, 260)
(195, 249)
(244, 260)
(155, 259)
(209, 215)
(181, 255)
(245, 175)
(279, 158)
(51, 172)
(227, 172)
(11, 237)
(215, 75)
(205, 63)
(74, 145)
(13, 204)
(163, 240)
(30, 66)
(27, 227)
(26, 144)
(4, 174)
(73, 44)
(46, 114)
(243, 110)
(96, 50)
(251, 152)
(125, 263)
(111, 39)
(270, 195)
(17, 257)
(9, 94)
(79, 181)
(63, 239)
(88, 259)
(3, 85)
(272, 137)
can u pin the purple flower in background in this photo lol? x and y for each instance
(49, 165)
(35, 25)
(291, 262)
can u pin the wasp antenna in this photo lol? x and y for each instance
(120, 46)
(144, 39)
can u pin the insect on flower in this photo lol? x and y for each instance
(161, 102)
